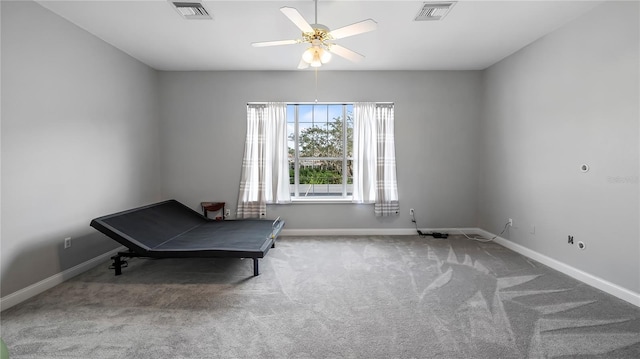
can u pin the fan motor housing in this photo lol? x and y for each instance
(320, 33)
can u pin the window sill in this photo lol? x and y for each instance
(321, 200)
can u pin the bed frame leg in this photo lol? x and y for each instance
(255, 267)
(117, 264)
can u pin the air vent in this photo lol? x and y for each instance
(191, 10)
(431, 11)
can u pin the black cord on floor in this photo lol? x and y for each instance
(433, 234)
(445, 235)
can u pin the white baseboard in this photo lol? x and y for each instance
(23, 294)
(594, 281)
(368, 231)
(348, 232)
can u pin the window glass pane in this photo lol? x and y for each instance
(335, 111)
(335, 146)
(320, 113)
(291, 128)
(292, 168)
(305, 113)
(320, 178)
(321, 144)
(291, 111)
(349, 177)
(349, 111)
(320, 135)
(312, 140)
(308, 135)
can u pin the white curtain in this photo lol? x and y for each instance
(277, 149)
(265, 170)
(365, 152)
(387, 187)
(374, 173)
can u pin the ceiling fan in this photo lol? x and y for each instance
(321, 38)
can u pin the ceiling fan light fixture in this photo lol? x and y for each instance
(325, 56)
(316, 62)
(308, 55)
(316, 56)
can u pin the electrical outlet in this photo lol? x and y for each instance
(510, 222)
(227, 213)
(67, 242)
(411, 211)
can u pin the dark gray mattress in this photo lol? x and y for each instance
(170, 229)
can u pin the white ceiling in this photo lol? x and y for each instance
(475, 34)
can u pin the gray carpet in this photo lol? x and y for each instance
(329, 297)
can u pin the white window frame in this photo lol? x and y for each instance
(295, 193)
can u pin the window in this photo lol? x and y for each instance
(321, 152)
(320, 145)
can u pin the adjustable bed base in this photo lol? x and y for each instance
(170, 229)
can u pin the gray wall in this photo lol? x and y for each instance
(87, 130)
(570, 98)
(437, 122)
(79, 140)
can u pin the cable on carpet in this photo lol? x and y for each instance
(445, 235)
(484, 240)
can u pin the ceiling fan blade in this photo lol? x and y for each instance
(346, 53)
(296, 18)
(302, 65)
(354, 29)
(274, 43)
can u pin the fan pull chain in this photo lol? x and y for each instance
(316, 71)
